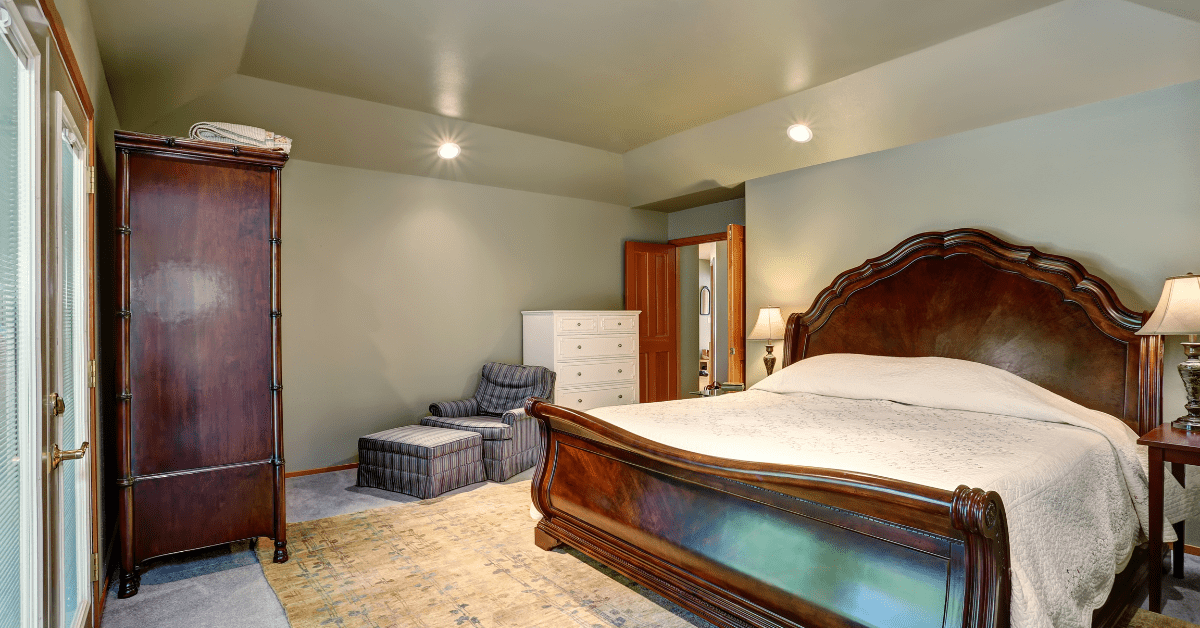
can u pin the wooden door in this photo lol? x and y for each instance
(651, 286)
(737, 303)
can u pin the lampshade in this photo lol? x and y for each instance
(1178, 310)
(769, 326)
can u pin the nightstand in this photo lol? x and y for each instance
(1178, 447)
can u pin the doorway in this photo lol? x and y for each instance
(662, 281)
(711, 320)
(712, 297)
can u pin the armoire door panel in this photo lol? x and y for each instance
(200, 314)
(236, 504)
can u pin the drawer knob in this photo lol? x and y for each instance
(620, 371)
(579, 324)
(620, 345)
(620, 396)
(579, 346)
(580, 401)
(618, 324)
(579, 374)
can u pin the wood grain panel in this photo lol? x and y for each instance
(651, 285)
(200, 302)
(237, 505)
(681, 523)
(736, 273)
(968, 295)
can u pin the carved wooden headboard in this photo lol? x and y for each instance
(969, 295)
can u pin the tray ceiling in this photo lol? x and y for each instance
(613, 75)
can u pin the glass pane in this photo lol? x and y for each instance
(11, 255)
(71, 418)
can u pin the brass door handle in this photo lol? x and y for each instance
(59, 455)
(57, 405)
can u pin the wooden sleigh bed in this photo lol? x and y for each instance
(755, 544)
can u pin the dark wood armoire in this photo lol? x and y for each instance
(196, 365)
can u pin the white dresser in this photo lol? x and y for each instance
(594, 353)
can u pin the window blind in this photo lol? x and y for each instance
(11, 258)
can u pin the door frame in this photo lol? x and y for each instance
(736, 280)
(80, 263)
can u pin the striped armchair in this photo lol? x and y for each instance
(497, 413)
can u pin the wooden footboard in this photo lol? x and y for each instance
(750, 544)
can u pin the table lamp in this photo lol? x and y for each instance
(1178, 313)
(769, 327)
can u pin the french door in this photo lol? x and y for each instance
(67, 357)
(46, 499)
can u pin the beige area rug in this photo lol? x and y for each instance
(1146, 619)
(464, 560)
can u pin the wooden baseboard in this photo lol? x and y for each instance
(340, 467)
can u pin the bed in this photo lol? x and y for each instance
(759, 543)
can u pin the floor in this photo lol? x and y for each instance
(1181, 597)
(224, 587)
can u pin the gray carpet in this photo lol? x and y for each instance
(1181, 597)
(224, 587)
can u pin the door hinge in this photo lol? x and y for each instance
(95, 566)
(92, 374)
(91, 179)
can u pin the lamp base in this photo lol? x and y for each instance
(1186, 423)
(769, 360)
(1189, 370)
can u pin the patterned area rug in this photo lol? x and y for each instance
(463, 560)
(1146, 619)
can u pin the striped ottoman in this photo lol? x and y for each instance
(419, 460)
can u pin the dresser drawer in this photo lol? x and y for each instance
(577, 324)
(597, 398)
(624, 323)
(595, 346)
(596, 372)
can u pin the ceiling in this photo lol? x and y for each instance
(613, 75)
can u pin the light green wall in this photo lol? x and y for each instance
(706, 219)
(397, 288)
(77, 20)
(1115, 185)
(1067, 54)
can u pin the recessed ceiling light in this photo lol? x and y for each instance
(449, 150)
(799, 133)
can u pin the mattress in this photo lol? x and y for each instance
(1073, 481)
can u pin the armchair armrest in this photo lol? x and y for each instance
(512, 417)
(454, 409)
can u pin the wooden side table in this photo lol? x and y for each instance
(1178, 447)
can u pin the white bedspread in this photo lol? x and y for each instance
(1072, 480)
